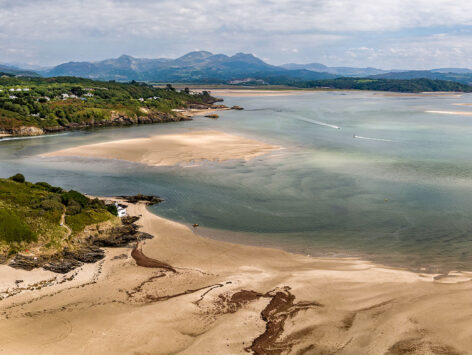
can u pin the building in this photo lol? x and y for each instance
(121, 210)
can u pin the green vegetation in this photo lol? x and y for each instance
(13, 229)
(395, 85)
(30, 214)
(61, 103)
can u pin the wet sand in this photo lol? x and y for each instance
(225, 298)
(173, 149)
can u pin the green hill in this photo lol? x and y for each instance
(55, 104)
(31, 215)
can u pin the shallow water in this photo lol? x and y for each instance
(361, 174)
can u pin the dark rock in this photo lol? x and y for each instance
(129, 219)
(236, 107)
(151, 200)
(121, 256)
(62, 266)
(120, 236)
(26, 262)
(86, 255)
(143, 235)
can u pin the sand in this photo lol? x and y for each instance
(456, 113)
(257, 92)
(173, 149)
(223, 298)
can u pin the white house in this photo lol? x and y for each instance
(121, 210)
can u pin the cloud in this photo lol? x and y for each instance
(57, 30)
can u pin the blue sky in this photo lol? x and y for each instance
(413, 34)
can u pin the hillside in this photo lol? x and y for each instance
(337, 71)
(12, 71)
(31, 216)
(394, 85)
(463, 76)
(30, 106)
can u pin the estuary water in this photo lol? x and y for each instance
(361, 174)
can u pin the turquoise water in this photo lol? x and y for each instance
(361, 174)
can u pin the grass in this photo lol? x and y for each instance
(30, 215)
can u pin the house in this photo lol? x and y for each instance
(13, 97)
(65, 96)
(121, 210)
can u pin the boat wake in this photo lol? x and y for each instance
(31, 137)
(373, 139)
(317, 122)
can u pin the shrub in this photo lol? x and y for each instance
(13, 229)
(75, 196)
(48, 187)
(73, 207)
(18, 178)
(51, 204)
(112, 209)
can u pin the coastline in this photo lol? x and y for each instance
(117, 119)
(231, 298)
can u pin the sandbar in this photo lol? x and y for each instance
(455, 113)
(173, 149)
(256, 92)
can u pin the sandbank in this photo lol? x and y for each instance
(455, 113)
(224, 298)
(256, 92)
(172, 149)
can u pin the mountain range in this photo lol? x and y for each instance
(12, 70)
(194, 66)
(241, 68)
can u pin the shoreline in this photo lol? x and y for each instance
(219, 294)
(119, 120)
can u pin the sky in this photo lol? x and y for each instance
(387, 34)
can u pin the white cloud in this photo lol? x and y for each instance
(307, 29)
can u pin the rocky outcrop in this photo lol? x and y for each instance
(62, 266)
(119, 237)
(86, 255)
(23, 131)
(70, 259)
(27, 262)
(127, 220)
(149, 199)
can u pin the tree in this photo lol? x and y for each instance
(77, 90)
(18, 178)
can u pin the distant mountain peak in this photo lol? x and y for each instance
(196, 55)
(125, 56)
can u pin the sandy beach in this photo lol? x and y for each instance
(258, 93)
(172, 149)
(224, 298)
